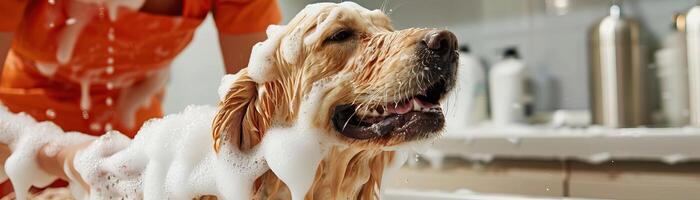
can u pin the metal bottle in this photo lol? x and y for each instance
(693, 44)
(619, 76)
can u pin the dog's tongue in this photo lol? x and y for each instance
(401, 108)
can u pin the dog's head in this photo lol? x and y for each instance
(381, 87)
(396, 78)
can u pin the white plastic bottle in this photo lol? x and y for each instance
(673, 75)
(508, 89)
(467, 104)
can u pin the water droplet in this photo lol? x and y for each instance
(426, 68)
(51, 25)
(86, 115)
(108, 127)
(51, 114)
(52, 2)
(547, 188)
(95, 126)
(70, 21)
(110, 35)
(110, 49)
(110, 60)
(109, 85)
(109, 101)
(109, 69)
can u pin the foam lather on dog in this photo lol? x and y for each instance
(319, 113)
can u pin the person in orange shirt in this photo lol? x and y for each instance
(97, 65)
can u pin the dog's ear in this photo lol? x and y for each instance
(239, 121)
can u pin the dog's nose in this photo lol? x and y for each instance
(440, 41)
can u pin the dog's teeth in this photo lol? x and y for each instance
(416, 105)
(374, 113)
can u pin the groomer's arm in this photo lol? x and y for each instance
(241, 24)
(235, 49)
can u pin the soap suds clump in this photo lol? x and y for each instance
(226, 84)
(322, 26)
(262, 56)
(131, 99)
(291, 46)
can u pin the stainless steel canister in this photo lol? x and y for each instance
(619, 76)
(693, 40)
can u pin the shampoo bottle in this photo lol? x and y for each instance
(467, 104)
(673, 75)
(507, 82)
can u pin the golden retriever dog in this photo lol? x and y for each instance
(396, 80)
(385, 93)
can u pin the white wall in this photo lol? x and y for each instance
(196, 72)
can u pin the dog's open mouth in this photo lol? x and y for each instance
(416, 117)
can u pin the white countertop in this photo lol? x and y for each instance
(594, 144)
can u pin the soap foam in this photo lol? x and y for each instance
(291, 46)
(79, 17)
(226, 84)
(85, 102)
(294, 153)
(322, 26)
(262, 56)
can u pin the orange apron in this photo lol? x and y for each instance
(70, 63)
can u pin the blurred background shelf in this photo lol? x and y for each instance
(594, 145)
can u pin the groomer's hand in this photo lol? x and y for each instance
(54, 164)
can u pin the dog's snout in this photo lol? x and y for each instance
(440, 41)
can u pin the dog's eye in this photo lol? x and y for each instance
(340, 36)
